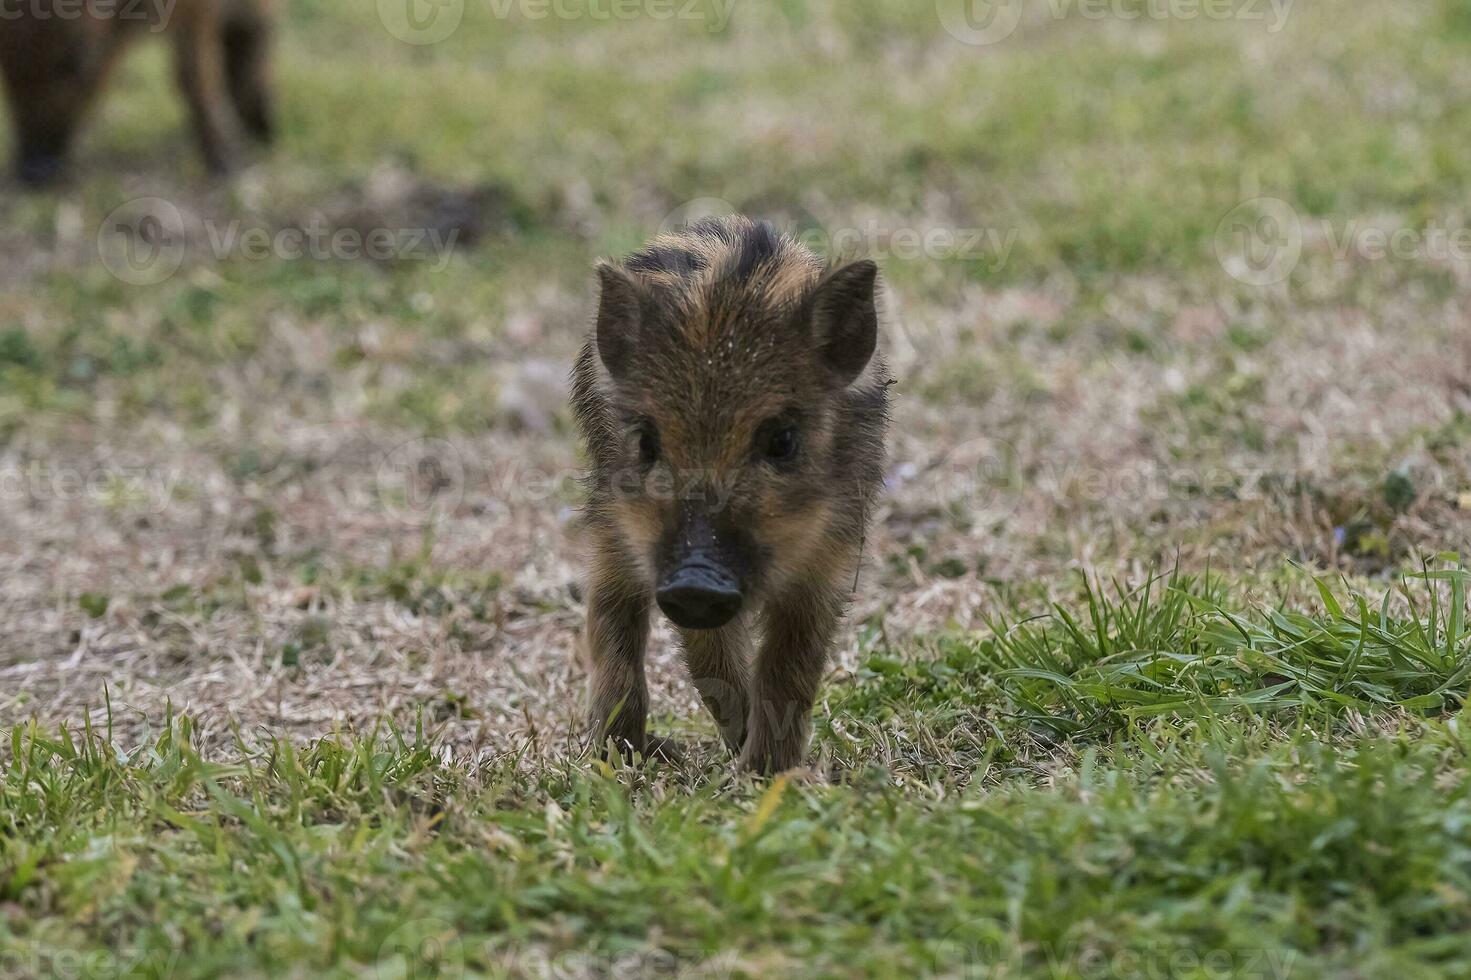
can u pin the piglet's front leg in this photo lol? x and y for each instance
(800, 625)
(617, 631)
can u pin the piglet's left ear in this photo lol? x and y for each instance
(844, 320)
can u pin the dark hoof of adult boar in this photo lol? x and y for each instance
(40, 172)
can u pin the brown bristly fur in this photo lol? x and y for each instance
(55, 64)
(707, 342)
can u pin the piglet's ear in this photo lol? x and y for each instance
(844, 319)
(620, 318)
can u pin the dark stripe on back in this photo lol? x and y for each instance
(737, 248)
(759, 244)
(718, 229)
(676, 261)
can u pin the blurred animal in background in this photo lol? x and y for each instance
(56, 56)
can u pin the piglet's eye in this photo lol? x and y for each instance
(781, 446)
(648, 444)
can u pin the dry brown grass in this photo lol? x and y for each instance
(1085, 465)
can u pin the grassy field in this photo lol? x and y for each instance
(1158, 662)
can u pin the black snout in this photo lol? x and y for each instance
(699, 596)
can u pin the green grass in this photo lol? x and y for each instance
(1171, 646)
(1168, 780)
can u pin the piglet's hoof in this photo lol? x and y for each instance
(655, 748)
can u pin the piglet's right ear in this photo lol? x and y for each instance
(844, 320)
(620, 317)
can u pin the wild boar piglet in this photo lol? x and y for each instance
(734, 407)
